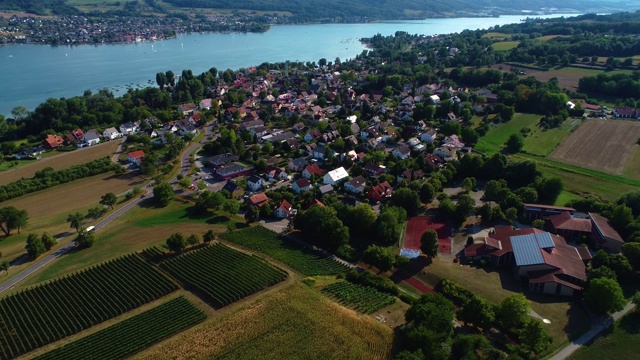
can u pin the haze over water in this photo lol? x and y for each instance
(30, 74)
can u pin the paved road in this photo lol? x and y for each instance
(595, 330)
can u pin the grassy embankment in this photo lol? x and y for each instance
(617, 342)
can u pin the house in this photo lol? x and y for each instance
(255, 182)
(187, 129)
(319, 152)
(186, 109)
(205, 104)
(324, 190)
(311, 135)
(546, 261)
(380, 192)
(257, 200)
(334, 176)
(275, 173)
(297, 164)
(312, 169)
(53, 141)
(234, 189)
(604, 235)
(222, 159)
(429, 136)
(316, 202)
(251, 124)
(298, 127)
(135, 157)
(447, 151)
(454, 141)
(410, 175)
(233, 170)
(402, 152)
(33, 153)
(356, 185)
(626, 112)
(91, 137)
(283, 210)
(434, 99)
(433, 161)
(569, 227)
(375, 170)
(129, 128)
(487, 94)
(537, 211)
(111, 133)
(75, 136)
(301, 185)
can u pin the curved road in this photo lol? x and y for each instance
(37, 265)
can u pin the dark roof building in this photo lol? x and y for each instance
(604, 235)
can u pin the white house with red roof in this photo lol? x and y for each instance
(283, 210)
(135, 157)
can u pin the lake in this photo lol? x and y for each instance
(33, 73)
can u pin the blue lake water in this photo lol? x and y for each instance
(30, 74)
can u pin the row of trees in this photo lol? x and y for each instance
(177, 242)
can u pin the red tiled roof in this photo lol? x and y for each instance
(285, 206)
(302, 183)
(136, 154)
(584, 253)
(476, 249)
(379, 191)
(53, 140)
(551, 207)
(602, 223)
(564, 221)
(314, 169)
(258, 199)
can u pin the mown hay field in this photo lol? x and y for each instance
(604, 145)
(295, 323)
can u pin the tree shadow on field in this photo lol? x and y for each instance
(631, 323)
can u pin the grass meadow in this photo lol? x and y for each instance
(505, 45)
(619, 341)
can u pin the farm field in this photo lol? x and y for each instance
(222, 274)
(567, 319)
(297, 322)
(569, 77)
(497, 136)
(61, 161)
(505, 45)
(49, 208)
(306, 262)
(363, 298)
(603, 145)
(133, 334)
(132, 233)
(77, 302)
(632, 167)
(543, 142)
(620, 341)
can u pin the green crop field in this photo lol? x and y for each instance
(305, 261)
(132, 335)
(364, 298)
(222, 274)
(505, 45)
(542, 142)
(620, 341)
(496, 137)
(51, 311)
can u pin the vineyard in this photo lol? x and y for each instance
(132, 335)
(364, 298)
(222, 274)
(51, 311)
(305, 261)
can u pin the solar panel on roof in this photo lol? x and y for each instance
(544, 240)
(526, 250)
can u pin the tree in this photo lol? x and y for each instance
(513, 311)
(604, 296)
(479, 312)
(632, 252)
(427, 193)
(231, 206)
(538, 224)
(95, 212)
(48, 240)
(109, 199)
(12, 218)
(184, 183)
(75, 221)
(176, 243)
(515, 143)
(534, 336)
(193, 240)
(34, 246)
(407, 199)
(5, 266)
(429, 243)
(85, 239)
(323, 227)
(378, 256)
(208, 236)
(469, 183)
(360, 219)
(602, 272)
(621, 217)
(163, 194)
(252, 214)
